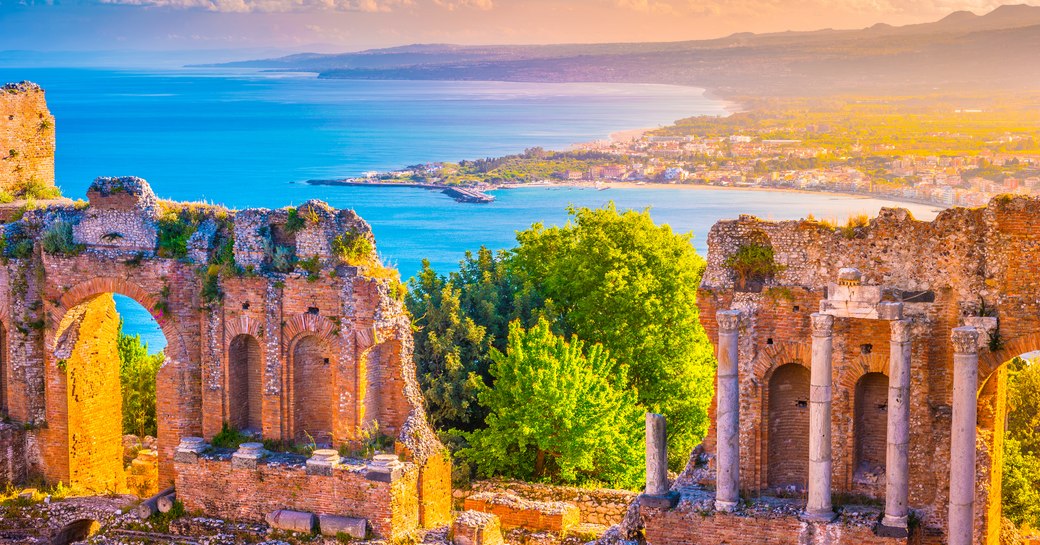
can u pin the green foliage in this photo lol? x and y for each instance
(311, 266)
(229, 437)
(618, 279)
(283, 259)
(295, 223)
(175, 228)
(58, 240)
(370, 441)
(752, 262)
(138, 372)
(35, 188)
(613, 278)
(353, 248)
(211, 292)
(1021, 476)
(558, 413)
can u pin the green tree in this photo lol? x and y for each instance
(451, 351)
(1021, 474)
(617, 279)
(558, 413)
(138, 372)
(457, 320)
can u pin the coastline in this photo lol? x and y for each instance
(696, 187)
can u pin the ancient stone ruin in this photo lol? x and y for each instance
(281, 325)
(868, 366)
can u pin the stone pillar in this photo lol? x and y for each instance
(656, 455)
(727, 413)
(820, 459)
(962, 436)
(897, 461)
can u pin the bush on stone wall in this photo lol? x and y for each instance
(58, 240)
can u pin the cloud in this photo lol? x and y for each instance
(452, 5)
(658, 7)
(271, 6)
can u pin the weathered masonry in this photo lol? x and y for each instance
(281, 324)
(869, 363)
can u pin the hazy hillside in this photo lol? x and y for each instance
(961, 52)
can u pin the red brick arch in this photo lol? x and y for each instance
(778, 354)
(991, 361)
(243, 325)
(95, 287)
(308, 324)
(867, 363)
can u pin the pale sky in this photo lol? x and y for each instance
(343, 25)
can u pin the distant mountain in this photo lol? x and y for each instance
(962, 51)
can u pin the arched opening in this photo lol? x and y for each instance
(1008, 417)
(313, 391)
(76, 531)
(870, 431)
(109, 374)
(245, 384)
(788, 418)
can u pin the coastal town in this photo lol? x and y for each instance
(728, 152)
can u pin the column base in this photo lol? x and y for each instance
(725, 506)
(823, 515)
(892, 527)
(667, 500)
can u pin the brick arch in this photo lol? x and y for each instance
(307, 324)
(88, 290)
(781, 353)
(242, 325)
(313, 413)
(989, 361)
(865, 364)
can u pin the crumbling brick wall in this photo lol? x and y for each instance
(964, 263)
(26, 137)
(316, 338)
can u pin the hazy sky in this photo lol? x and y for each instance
(335, 25)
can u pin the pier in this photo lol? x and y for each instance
(460, 194)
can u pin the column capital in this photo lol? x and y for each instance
(729, 320)
(965, 340)
(822, 324)
(901, 331)
(890, 310)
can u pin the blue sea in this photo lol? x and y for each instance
(248, 139)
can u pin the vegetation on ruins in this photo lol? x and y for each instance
(558, 412)
(1021, 477)
(295, 223)
(137, 373)
(353, 248)
(283, 259)
(58, 240)
(608, 277)
(175, 228)
(752, 262)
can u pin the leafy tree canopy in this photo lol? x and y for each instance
(558, 412)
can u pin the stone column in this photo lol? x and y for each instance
(727, 413)
(962, 436)
(656, 455)
(820, 459)
(897, 461)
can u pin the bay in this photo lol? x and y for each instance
(247, 139)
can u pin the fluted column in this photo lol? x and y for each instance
(897, 461)
(820, 459)
(962, 436)
(727, 413)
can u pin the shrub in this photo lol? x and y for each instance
(174, 231)
(211, 292)
(312, 266)
(752, 262)
(283, 259)
(295, 223)
(58, 240)
(353, 248)
(229, 437)
(35, 188)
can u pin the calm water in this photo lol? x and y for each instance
(246, 139)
